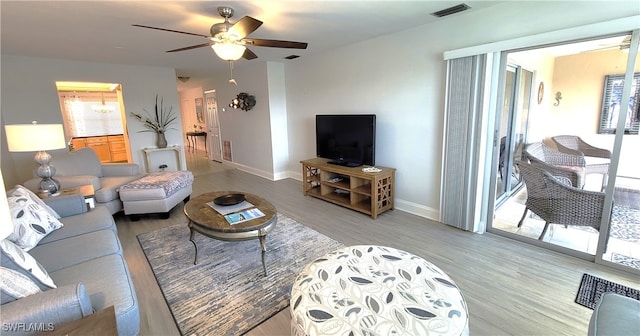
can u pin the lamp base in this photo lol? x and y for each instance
(51, 185)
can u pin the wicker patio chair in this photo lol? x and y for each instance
(557, 202)
(572, 144)
(570, 166)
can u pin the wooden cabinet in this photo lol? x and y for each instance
(109, 148)
(101, 146)
(117, 148)
(370, 193)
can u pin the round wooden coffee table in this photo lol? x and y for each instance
(208, 222)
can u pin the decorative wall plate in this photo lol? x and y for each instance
(540, 92)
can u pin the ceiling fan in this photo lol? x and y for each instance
(625, 44)
(229, 40)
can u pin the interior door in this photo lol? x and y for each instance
(213, 125)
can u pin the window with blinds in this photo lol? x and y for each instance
(612, 102)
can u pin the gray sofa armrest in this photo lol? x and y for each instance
(79, 180)
(67, 205)
(46, 310)
(120, 169)
(615, 315)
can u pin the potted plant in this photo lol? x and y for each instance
(159, 123)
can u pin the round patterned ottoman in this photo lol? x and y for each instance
(375, 290)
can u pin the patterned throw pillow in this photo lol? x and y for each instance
(31, 221)
(15, 258)
(14, 285)
(19, 190)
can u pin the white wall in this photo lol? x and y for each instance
(29, 93)
(248, 131)
(400, 78)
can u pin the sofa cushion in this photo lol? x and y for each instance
(14, 285)
(111, 186)
(84, 161)
(15, 258)
(31, 221)
(56, 256)
(96, 219)
(68, 182)
(108, 283)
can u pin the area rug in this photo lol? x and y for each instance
(226, 293)
(592, 288)
(625, 224)
(625, 260)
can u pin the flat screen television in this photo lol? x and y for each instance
(346, 139)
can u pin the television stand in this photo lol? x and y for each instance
(350, 187)
(344, 163)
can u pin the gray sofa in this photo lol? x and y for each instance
(83, 167)
(85, 260)
(615, 315)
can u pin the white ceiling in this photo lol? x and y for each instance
(101, 30)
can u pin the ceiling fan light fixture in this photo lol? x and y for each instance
(229, 51)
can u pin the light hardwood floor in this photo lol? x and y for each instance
(510, 288)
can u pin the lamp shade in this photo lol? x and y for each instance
(34, 137)
(6, 223)
(229, 51)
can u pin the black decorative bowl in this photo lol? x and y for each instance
(230, 199)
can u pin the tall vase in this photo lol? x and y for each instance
(161, 141)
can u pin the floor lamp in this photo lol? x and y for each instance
(38, 138)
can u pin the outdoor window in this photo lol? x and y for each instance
(611, 104)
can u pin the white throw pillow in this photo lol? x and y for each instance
(19, 190)
(14, 285)
(31, 221)
(13, 257)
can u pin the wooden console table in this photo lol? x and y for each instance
(370, 193)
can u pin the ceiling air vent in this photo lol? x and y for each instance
(290, 57)
(451, 10)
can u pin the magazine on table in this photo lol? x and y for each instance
(243, 216)
(227, 209)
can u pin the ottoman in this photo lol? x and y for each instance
(375, 290)
(156, 193)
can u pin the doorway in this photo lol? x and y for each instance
(94, 116)
(213, 125)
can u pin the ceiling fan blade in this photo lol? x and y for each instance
(171, 30)
(192, 47)
(245, 26)
(275, 43)
(249, 55)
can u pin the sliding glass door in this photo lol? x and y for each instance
(512, 130)
(573, 99)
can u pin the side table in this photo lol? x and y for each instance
(84, 190)
(102, 322)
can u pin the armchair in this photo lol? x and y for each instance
(570, 166)
(557, 202)
(572, 144)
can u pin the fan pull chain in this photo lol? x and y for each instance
(232, 81)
